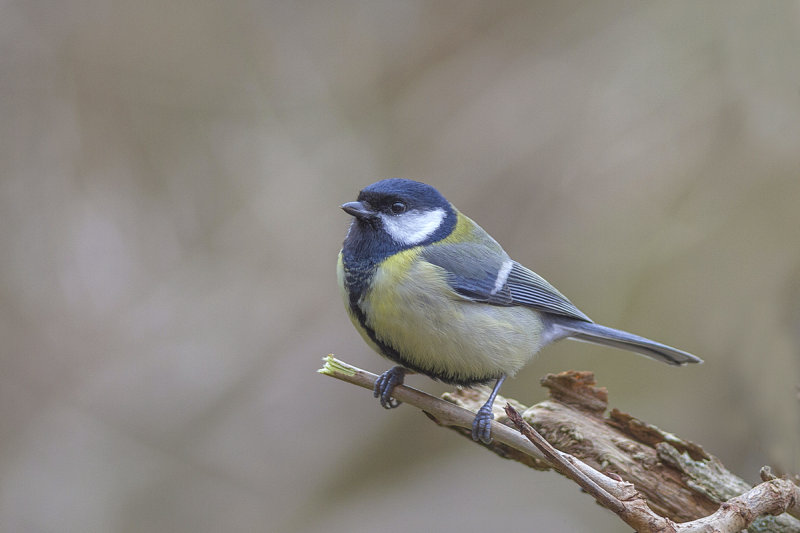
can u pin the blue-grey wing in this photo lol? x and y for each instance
(529, 288)
(486, 274)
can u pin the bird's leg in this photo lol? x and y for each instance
(482, 425)
(385, 384)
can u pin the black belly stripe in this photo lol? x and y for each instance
(357, 277)
(390, 353)
(357, 281)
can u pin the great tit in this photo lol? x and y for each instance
(428, 288)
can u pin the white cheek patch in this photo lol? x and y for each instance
(413, 227)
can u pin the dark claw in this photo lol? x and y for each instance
(385, 384)
(482, 425)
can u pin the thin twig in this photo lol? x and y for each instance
(634, 511)
(444, 413)
(562, 464)
(772, 497)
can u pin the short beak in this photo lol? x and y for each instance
(358, 210)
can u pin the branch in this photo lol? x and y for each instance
(773, 497)
(507, 442)
(652, 479)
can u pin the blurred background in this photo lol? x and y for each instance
(170, 176)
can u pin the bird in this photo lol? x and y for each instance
(432, 291)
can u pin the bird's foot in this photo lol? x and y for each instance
(482, 425)
(385, 384)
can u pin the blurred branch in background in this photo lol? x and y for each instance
(652, 478)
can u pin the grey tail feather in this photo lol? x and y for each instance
(597, 334)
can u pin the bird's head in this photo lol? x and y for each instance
(395, 214)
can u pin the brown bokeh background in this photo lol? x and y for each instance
(170, 176)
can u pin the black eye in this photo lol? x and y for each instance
(398, 208)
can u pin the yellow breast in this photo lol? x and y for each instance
(411, 307)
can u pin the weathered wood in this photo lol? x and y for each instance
(678, 478)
